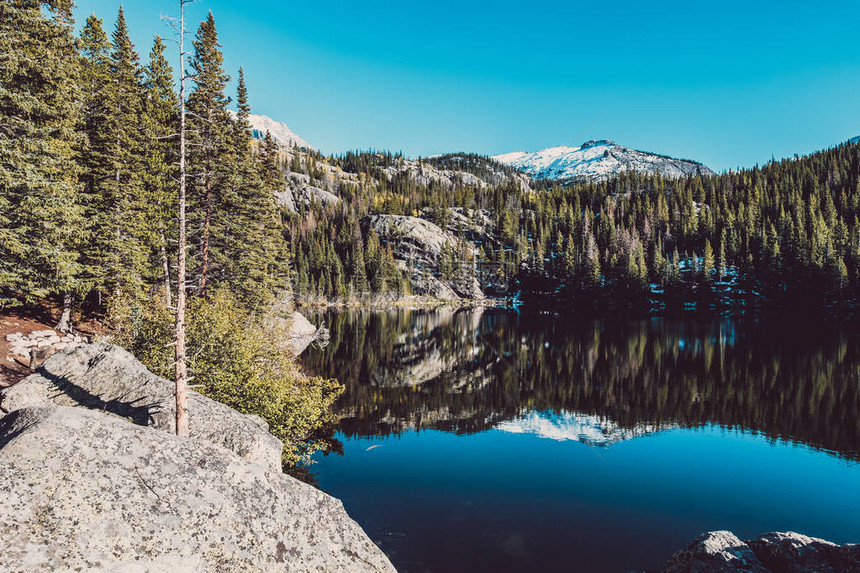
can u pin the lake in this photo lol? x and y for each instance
(497, 440)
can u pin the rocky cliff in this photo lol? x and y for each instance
(107, 378)
(418, 247)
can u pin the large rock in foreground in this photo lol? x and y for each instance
(107, 378)
(723, 552)
(83, 491)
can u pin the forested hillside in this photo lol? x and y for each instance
(88, 203)
(89, 154)
(89, 170)
(785, 233)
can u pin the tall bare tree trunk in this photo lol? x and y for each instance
(65, 324)
(180, 367)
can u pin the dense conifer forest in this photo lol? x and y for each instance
(88, 204)
(87, 189)
(784, 233)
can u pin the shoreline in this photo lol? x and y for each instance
(413, 303)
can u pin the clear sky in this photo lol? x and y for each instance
(730, 83)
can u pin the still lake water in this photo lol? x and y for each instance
(493, 440)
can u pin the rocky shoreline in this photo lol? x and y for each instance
(93, 479)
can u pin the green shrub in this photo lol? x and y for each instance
(236, 358)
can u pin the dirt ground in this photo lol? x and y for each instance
(26, 319)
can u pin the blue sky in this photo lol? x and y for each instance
(730, 83)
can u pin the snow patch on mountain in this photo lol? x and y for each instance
(281, 133)
(597, 161)
(573, 426)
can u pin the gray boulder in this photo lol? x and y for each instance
(722, 551)
(107, 378)
(300, 334)
(715, 551)
(795, 553)
(83, 491)
(300, 191)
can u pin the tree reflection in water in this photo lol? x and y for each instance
(471, 370)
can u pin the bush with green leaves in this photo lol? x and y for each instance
(236, 358)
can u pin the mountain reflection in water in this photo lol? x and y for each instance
(597, 381)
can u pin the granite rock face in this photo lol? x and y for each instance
(417, 245)
(107, 378)
(722, 551)
(84, 491)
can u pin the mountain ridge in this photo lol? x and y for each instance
(594, 160)
(597, 160)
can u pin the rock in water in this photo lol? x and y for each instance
(795, 553)
(83, 491)
(713, 552)
(300, 335)
(723, 552)
(107, 378)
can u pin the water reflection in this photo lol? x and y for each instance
(596, 381)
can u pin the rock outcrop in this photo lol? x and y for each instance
(107, 378)
(300, 190)
(418, 245)
(723, 552)
(83, 491)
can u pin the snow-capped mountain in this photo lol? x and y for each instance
(596, 160)
(564, 426)
(281, 132)
(854, 139)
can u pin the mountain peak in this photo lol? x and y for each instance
(281, 133)
(596, 142)
(597, 160)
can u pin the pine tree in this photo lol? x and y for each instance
(721, 262)
(253, 253)
(128, 227)
(209, 126)
(42, 224)
(113, 159)
(97, 92)
(708, 261)
(358, 274)
(160, 123)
